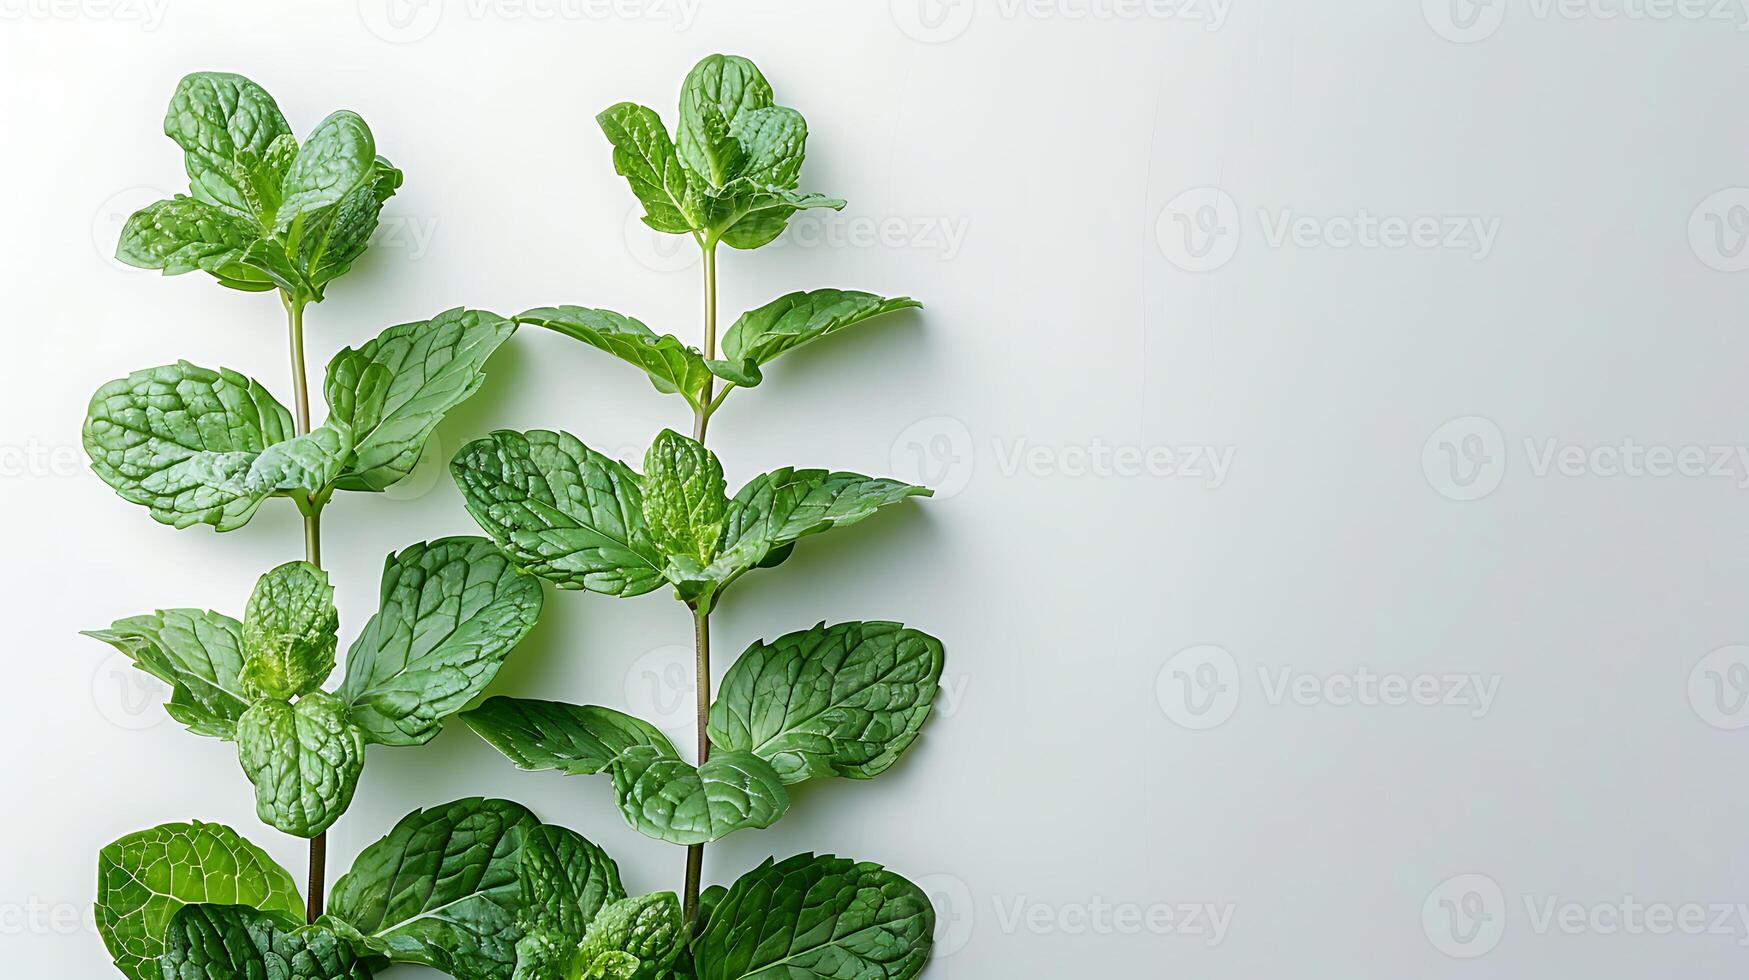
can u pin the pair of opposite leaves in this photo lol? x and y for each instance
(482, 890)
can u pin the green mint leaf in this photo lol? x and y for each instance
(759, 336)
(716, 92)
(817, 917)
(306, 465)
(233, 942)
(268, 259)
(561, 511)
(672, 366)
(566, 881)
(441, 888)
(218, 118)
(289, 632)
(843, 700)
(199, 654)
(546, 956)
(451, 611)
(395, 389)
(685, 504)
(334, 238)
(577, 740)
(185, 235)
(645, 156)
(261, 179)
(645, 932)
(663, 797)
(339, 156)
(773, 142)
(764, 216)
(144, 878)
(146, 435)
(304, 760)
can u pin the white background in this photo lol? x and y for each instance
(1090, 196)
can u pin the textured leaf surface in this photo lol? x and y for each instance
(844, 700)
(561, 510)
(289, 632)
(336, 160)
(666, 798)
(331, 242)
(185, 235)
(817, 917)
(634, 939)
(685, 499)
(218, 119)
(442, 888)
(452, 610)
(790, 321)
(573, 739)
(645, 156)
(716, 92)
(149, 436)
(305, 465)
(199, 654)
(566, 881)
(395, 389)
(144, 878)
(304, 760)
(773, 142)
(672, 366)
(231, 942)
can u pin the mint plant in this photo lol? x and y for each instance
(832, 700)
(200, 446)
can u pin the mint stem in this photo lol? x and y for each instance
(702, 617)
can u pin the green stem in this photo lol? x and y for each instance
(701, 618)
(294, 309)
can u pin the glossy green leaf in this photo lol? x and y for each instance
(765, 214)
(817, 917)
(566, 881)
(289, 632)
(304, 760)
(645, 156)
(773, 142)
(395, 389)
(561, 510)
(451, 611)
(144, 878)
(149, 436)
(634, 939)
(716, 93)
(573, 739)
(335, 161)
(199, 654)
(790, 321)
(685, 500)
(218, 119)
(442, 888)
(185, 235)
(304, 466)
(672, 366)
(664, 797)
(332, 240)
(233, 942)
(843, 700)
